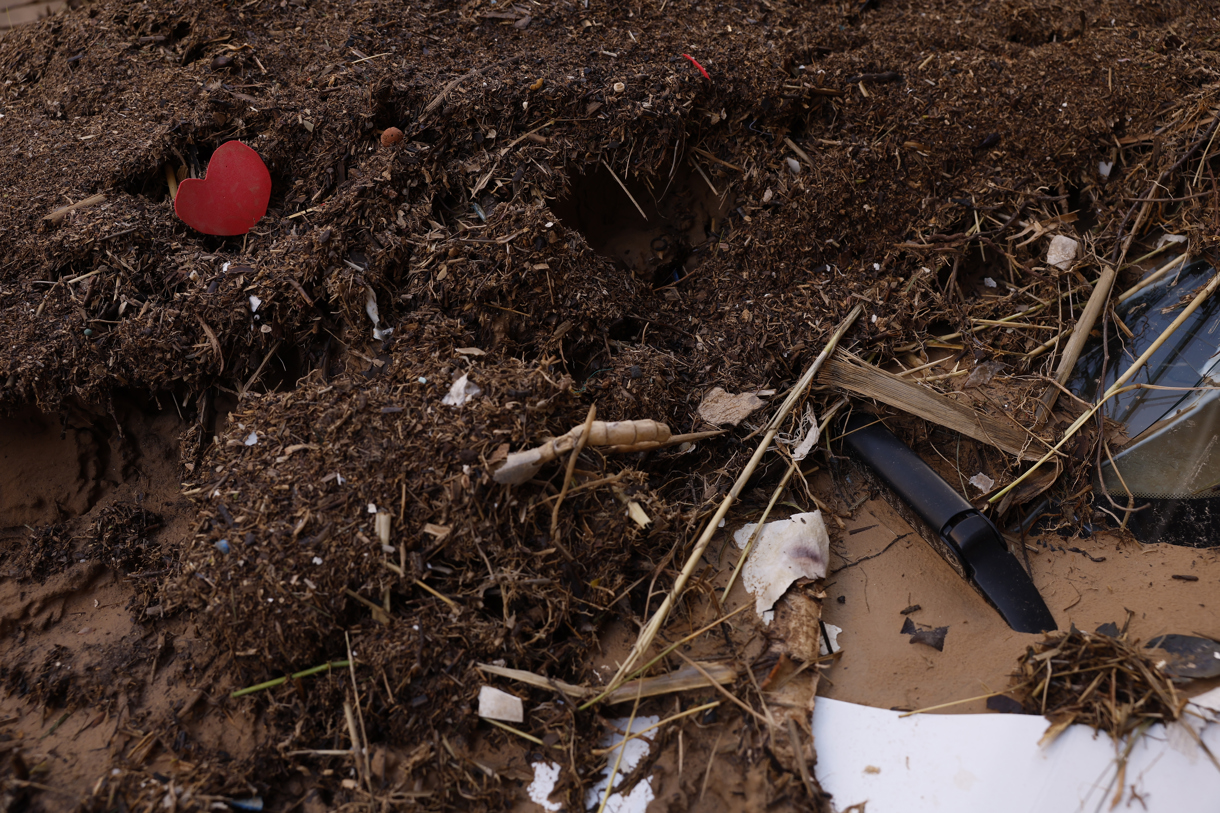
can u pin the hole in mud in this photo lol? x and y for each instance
(680, 221)
(981, 273)
(54, 467)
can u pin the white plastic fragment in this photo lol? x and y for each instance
(982, 482)
(634, 750)
(794, 166)
(1165, 239)
(546, 774)
(989, 282)
(462, 391)
(498, 705)
(1062, 252)
(1104, 167)
(785, 551)
(254, 303)
(251, 439)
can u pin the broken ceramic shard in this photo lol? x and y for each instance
(1062, 252)
(784, 551)
(497, 705)
(719, 408)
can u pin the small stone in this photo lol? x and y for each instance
(1062, 252)
(391, 136)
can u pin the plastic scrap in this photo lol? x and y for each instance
(462, 391)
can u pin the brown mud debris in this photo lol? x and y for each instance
(232, 460)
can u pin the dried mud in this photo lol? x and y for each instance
(204, 440)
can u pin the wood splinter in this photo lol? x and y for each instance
(622, 436)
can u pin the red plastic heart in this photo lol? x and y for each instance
(231, 198)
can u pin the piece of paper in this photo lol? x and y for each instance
(495, 704)
(946, 763)
(785, 551)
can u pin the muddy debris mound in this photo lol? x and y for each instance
(619, 207)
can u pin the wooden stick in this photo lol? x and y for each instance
(725, 164)
(171, 178)
(62, 212)
(649, 633)
(1155, 276)
(242, 392)
(1071, 353)
(803, 155)
(440, 97)
(617, 180)
(1116, 386)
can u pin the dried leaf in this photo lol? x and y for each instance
(719, 408)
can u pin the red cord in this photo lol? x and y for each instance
(695, 62)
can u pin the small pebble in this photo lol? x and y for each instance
(88, 331)
(391, 136)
